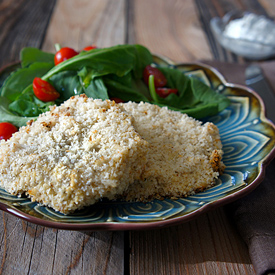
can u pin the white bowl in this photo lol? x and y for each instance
(246, 34)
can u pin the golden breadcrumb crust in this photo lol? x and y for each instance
(184, 156)
(73, 155)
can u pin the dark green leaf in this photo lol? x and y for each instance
(102, 73)
(67, 84)
(194, 97)
(97, 89)
(7, 116)
(30, 55)
(24, 108)
(29, 105)
(70, 83)
(124, 92)
(22, 78)
(143, 58)
(118, 60)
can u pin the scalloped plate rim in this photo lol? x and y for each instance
(117, 226)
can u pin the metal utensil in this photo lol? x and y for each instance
(256, 81)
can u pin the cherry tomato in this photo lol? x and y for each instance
(6, 130)
(164, 92)
(64, 54)
(44, 91)
(159, 78)
(88, 48)
(116, 100)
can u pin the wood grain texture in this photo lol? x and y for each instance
(209, 244)
(269, 6)
(169, 28)
(177, 29)
(78, 24)
(206, 245)
(26, 248)
(81, 23)
(33, 17)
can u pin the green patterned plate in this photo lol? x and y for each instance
(248, 142)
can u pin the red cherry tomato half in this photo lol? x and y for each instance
(116, 100)
(164, 92)
(64, 54)
(6, 130)
(44, 91)
(159, 78)
(88, 48)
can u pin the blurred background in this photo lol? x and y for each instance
(178, 29)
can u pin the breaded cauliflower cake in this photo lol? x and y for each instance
(73, 155)
(184, 156)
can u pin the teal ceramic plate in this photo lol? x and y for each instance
(248, 142)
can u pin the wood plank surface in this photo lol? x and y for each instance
(170, 28)
(30, 249)
(80, 23)
(206, 245)
(33, 17)
(176, 29)
(182, 249)
(26, 248)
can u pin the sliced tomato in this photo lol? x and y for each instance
(6, 130)
(44, 91)
(64, 54)
(159, 78)
(164, 92)
(88, 48)
(116, 100)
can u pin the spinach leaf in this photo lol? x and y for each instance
(118, 60)
(143, 58)
(122, 61)
(30, 55)
(93, 87)
(97, 89)
(22, 78)
(125, 88)
(67, 83)
(101, 73)
(70, 83)
(29, 105)
(194, 97)
(7, 116)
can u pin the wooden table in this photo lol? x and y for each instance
(177, 29)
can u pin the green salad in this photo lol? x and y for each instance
(107, 73)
